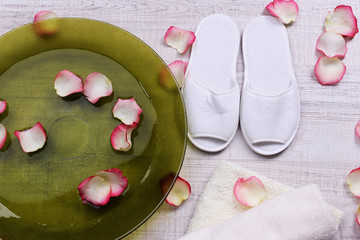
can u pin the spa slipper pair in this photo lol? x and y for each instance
(269, 112)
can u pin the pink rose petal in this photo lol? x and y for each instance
(357, 129)
(97, 85)
(127, 111)
(178, 69)
(179, 39)
(180, 192)
(342, 21)
(2, 106)
(166, 79)
(3, 135)
(331, 44)
(121, 137)
(95, 190)
(285, 10)
(67, 83)
(329, 70)
(32, 139)
(353, 180)
(115, 178)
(249, 192)
(42, 27)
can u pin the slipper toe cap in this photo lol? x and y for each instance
(269, 123)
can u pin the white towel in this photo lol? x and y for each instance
(218, 204)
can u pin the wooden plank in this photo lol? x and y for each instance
(325, 148)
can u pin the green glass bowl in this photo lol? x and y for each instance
(38, 191)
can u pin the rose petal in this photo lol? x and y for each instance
(97, 85)
(2, 106)
(178, 69)
(166, 79)
(115, 178)
(331, 44)
(329, 70)
(249, 192)
(179, 39)
(353, 179)
(357, 129)
(67, 83)
(118, 138)
(180, 191)
(42, 27)
(32, 139)
(342, 21)
(127, 110)
(95, 190)
(121, 137)
(3, 135)
(286, 11)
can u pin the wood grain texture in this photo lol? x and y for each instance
(325, 148)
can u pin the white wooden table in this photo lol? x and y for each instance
(325, 148)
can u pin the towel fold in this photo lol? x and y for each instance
(297, 214)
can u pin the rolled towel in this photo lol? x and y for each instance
(298, 214)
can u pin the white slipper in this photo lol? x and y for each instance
(211, 93)
(270, 104)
